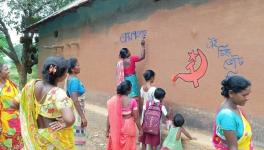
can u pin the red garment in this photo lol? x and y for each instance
(122, 134)
(132, 67)
(132, 106)
(114, 107)
(153, 140)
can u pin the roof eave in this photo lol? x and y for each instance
(34, 27)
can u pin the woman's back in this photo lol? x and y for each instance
(36, 104)
(130, 65)
(49, 101)
(75, 85)
(128, 105)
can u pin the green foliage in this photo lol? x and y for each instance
(18, 49)
(19, 15)
(14, 76)
(2, 44)
(26, 12)
(1, 58)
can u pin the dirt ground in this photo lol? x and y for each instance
(96, 139)
(96, 132)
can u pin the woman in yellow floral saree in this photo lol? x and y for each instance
(10, 133)
(46, 113)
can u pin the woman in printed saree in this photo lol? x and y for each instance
(46, 112)
(232, 130)
(10, 132)
(122, 119)
(126, 69)
(76, 91)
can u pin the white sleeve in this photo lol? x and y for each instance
(152, 90)
(144, 107)
(164, 110)
(141, 92)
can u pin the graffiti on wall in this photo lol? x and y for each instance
(133, 35)
(232, 62)
(194, 75)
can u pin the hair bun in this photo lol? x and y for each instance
(224, 82)
(224, 88)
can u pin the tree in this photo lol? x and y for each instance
(3, 43)
(21, 14)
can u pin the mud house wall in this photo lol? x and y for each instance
(229, 34)
(234, 27)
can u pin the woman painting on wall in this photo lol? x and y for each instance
(126, 69)
(10, 132)
(46, 112)
(76, 91)
(232, 130)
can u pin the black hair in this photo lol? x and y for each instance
(124, 88)
(49, 74)
(159, 93)
(123, 53)
(71, 64)
(178, 120)
(234, 83)
(148, 74)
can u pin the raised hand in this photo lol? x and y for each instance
(143, 42)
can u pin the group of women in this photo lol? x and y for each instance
(232, 130)
(41, 116)
(44, 116)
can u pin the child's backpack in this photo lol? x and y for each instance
(151, 120)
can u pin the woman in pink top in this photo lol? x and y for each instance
(126, 70)
(122, 119)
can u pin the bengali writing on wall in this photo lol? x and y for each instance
(133, 35)
(232, 61)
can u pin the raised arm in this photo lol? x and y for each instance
(143, 49)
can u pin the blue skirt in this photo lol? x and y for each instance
(135, 87)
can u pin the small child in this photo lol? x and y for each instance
(156, 109)
(173, 139)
